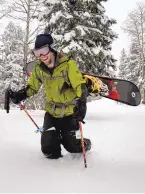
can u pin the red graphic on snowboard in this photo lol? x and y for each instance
(113, 93)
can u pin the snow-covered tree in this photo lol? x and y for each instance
(123, 66)
(26, 12)
(11, 62)
(12, 40)
(132, 72)
(84, 31)
(5, 8)
(134, 26)
(14, 76)
(129, 65)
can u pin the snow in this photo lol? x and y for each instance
(116, 162)
(79, 27)
(69, 36)
(87, 14)
(52, 2)
(57, 37)
(72, 45)
(57, 15)
(96, 50)
(101, 8)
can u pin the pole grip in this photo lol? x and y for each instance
(7, 101)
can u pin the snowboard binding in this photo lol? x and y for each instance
(95, 86)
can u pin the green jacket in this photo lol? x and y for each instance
(62, 88)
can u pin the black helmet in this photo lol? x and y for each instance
(42, 40)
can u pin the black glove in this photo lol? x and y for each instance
(18, 96)
(81, 106)
(81, 110)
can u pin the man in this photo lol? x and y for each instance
(66, 95)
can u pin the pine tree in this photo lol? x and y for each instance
(12, 40)
(133, 73)
(134, 26)
(12, 58)
(129, 65)
(123, 66)
(84, 31)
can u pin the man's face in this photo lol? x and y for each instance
(46, 56)
(48, 59)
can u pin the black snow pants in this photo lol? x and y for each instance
(63, 131)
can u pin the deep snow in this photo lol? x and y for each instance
(116, 162)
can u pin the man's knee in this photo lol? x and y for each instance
(72, 142)
(50, 144)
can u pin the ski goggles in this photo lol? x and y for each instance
(42, 51)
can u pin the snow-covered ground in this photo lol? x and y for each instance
(116, 162)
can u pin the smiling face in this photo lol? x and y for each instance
(48, 59)
(45, 55)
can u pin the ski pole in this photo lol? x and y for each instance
(23, 108)
(83, 147)
(7, 108)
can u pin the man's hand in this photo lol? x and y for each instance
(18, 96)
(81, 106)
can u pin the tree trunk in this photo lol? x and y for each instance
(27, 37)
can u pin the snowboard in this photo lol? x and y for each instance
(118, 90)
